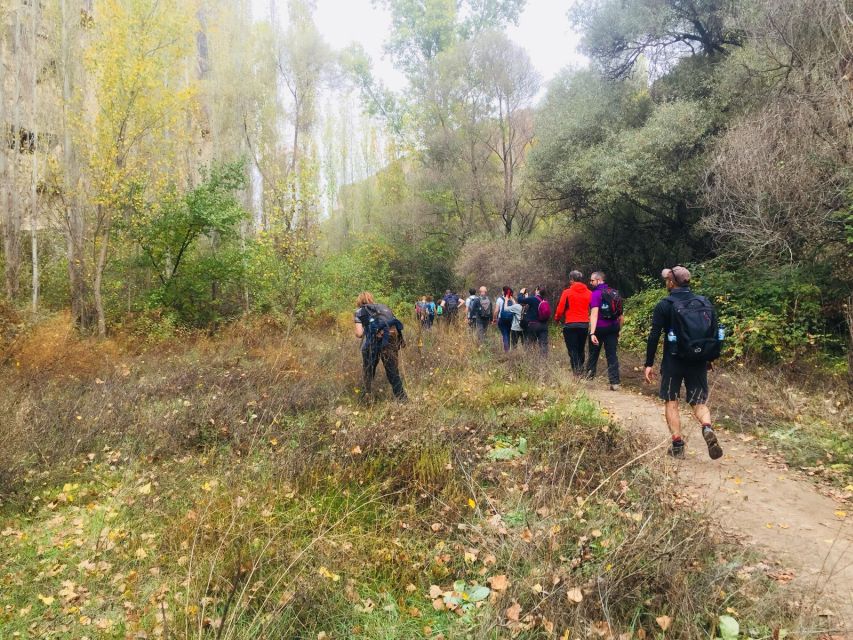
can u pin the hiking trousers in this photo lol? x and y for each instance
(538, 332)
(515, 338)
(505, 327)
(575, 335)
(608, 337)
(390, 357)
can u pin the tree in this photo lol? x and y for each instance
(135, 61)
(71, 216)
(626, 167)
(169, 230)
(617, 33)
(35, 64)
(12, 218)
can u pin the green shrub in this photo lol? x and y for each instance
(772, 315)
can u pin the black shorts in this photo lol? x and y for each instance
(694, 376)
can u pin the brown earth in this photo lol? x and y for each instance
(761, 502)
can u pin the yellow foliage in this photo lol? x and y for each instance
(139, 60)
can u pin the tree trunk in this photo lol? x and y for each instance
(100, 265)
(5, 189)
(34, 217)
(12, 228)
(848, 313)
(75, 228)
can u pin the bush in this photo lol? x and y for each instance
(518, 262)
(772, 316)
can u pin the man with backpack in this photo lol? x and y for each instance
(536, 317)
(573, 311)
(480, 312)
(469, 312)
(381, 335)
(605, 323)
(693, 340)
(450, 304)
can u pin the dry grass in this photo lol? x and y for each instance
(240, 487)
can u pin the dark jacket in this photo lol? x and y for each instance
(661, 321)
(532, 303)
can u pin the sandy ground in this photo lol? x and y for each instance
(760, 502)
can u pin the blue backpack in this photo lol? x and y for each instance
(380, 319)
(505, 314)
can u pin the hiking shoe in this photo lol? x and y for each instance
(615, 387)
(714, 448)
(676, 449)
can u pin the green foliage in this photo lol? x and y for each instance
(768, 315)
(168, 231)
(188, 243)
(624, 167)
(729, 628)
(618, 34)
(334, 281)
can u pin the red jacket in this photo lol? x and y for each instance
(574, 304)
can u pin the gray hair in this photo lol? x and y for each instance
(576, 276)
(598, 275)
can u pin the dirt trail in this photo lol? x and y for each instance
(766, 505)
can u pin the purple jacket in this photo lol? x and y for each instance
(595, 301)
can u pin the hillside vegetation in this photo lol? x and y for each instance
(239, 487)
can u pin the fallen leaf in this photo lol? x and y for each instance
(435, 591)
(499, 582)
(356, 450)
(664, 622)
(513, 613)
(145, 489)
(574, 595)
(46, 600)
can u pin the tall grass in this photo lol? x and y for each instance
(241, 487)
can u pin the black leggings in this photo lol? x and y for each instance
(575, 339)
(390, 357)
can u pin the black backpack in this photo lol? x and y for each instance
(483, 308)
(695, 324)
(380, 319)
(611, 304)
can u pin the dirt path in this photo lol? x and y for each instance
(767, 506)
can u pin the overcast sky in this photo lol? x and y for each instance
(543, 30)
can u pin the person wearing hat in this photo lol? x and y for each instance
(676, 371)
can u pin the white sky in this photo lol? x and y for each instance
(543, 30)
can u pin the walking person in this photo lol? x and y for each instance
(469, 301)
(480, 312)
(504, 317)
(573, 312)
(693, 341)
(516, 333)
(538, 313)
(420, 311)
(381, 335)
(450, 304)
(429, 312)
(605, 323)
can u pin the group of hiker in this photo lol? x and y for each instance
(590, 315)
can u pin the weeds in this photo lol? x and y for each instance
(239, 488)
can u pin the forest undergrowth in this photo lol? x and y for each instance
(239, 486)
